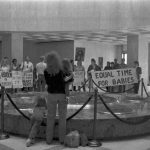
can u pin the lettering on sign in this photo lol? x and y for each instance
(6, 79)
(115, 77)
(27, 80)
(78, 78)
(17, 79)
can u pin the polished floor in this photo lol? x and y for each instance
(18, 143)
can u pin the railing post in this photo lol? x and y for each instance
(142, 87)
(94, 142)
(2, 134)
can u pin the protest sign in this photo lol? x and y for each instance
(27, 80)
(115, 77)
(78, 78)
(17, 79)
(6, 79)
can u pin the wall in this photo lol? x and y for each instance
(132, 48)
(73, 15)
(35, 50)
(95, 50)
(0, 50)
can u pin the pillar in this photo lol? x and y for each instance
(132, 49)
(119, 50)
(137, 49)
(12, 46)
(143, 57)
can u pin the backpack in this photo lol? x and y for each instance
(72, 139)
(83, 139)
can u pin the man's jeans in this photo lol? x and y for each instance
(52, 102)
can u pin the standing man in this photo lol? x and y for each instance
(40, 67)
(92, 67)
(116, 65)
(122, 88)
(108, 67)
(138, 73)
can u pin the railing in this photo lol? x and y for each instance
(97, 97)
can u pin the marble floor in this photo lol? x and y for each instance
(18, 143)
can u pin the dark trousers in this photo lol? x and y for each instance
(52, 102)
(35, 127)
(136, 87)
(41, 83)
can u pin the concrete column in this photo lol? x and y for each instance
(132, 49)
(143, 57)
(12, 46)
(119, 50)
(6, 45)
(138, 49)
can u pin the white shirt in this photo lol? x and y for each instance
(5, 68)
(40, 67)
(27, 67)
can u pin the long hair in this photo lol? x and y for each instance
(40, 101)
(53, 63)
(5, 62)
(67, 68)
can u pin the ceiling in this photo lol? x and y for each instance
(113, 37)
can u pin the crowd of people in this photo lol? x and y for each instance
(57, 75)
(39, 83)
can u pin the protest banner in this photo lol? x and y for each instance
(17, 79)
(115, 77)
(6, 79)
(27, 79)
(78, 78)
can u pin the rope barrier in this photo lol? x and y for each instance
(120, 119)
(83, 85)
(80, 108)
(112, 92)
(69, 118)
(15, 106)
(145, 90)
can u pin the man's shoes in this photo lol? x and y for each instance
(30, 142)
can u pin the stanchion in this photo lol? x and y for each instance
(2, 134)
(94, 142)
(142, 87)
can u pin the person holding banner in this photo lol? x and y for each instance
(40, 67)
(108, 67)
(92, 67)
(5, 67)
(122, 66)
(138, 73)
(56, 88)
(27, 65)
(14, 65)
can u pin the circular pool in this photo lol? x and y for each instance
(127, 106)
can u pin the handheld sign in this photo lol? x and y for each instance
(78, 78)
(17, 79)
(115, 77)
(6, 79)
(27, 80)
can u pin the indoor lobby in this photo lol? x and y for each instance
(114, 116)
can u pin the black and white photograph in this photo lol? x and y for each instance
(74, 74)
